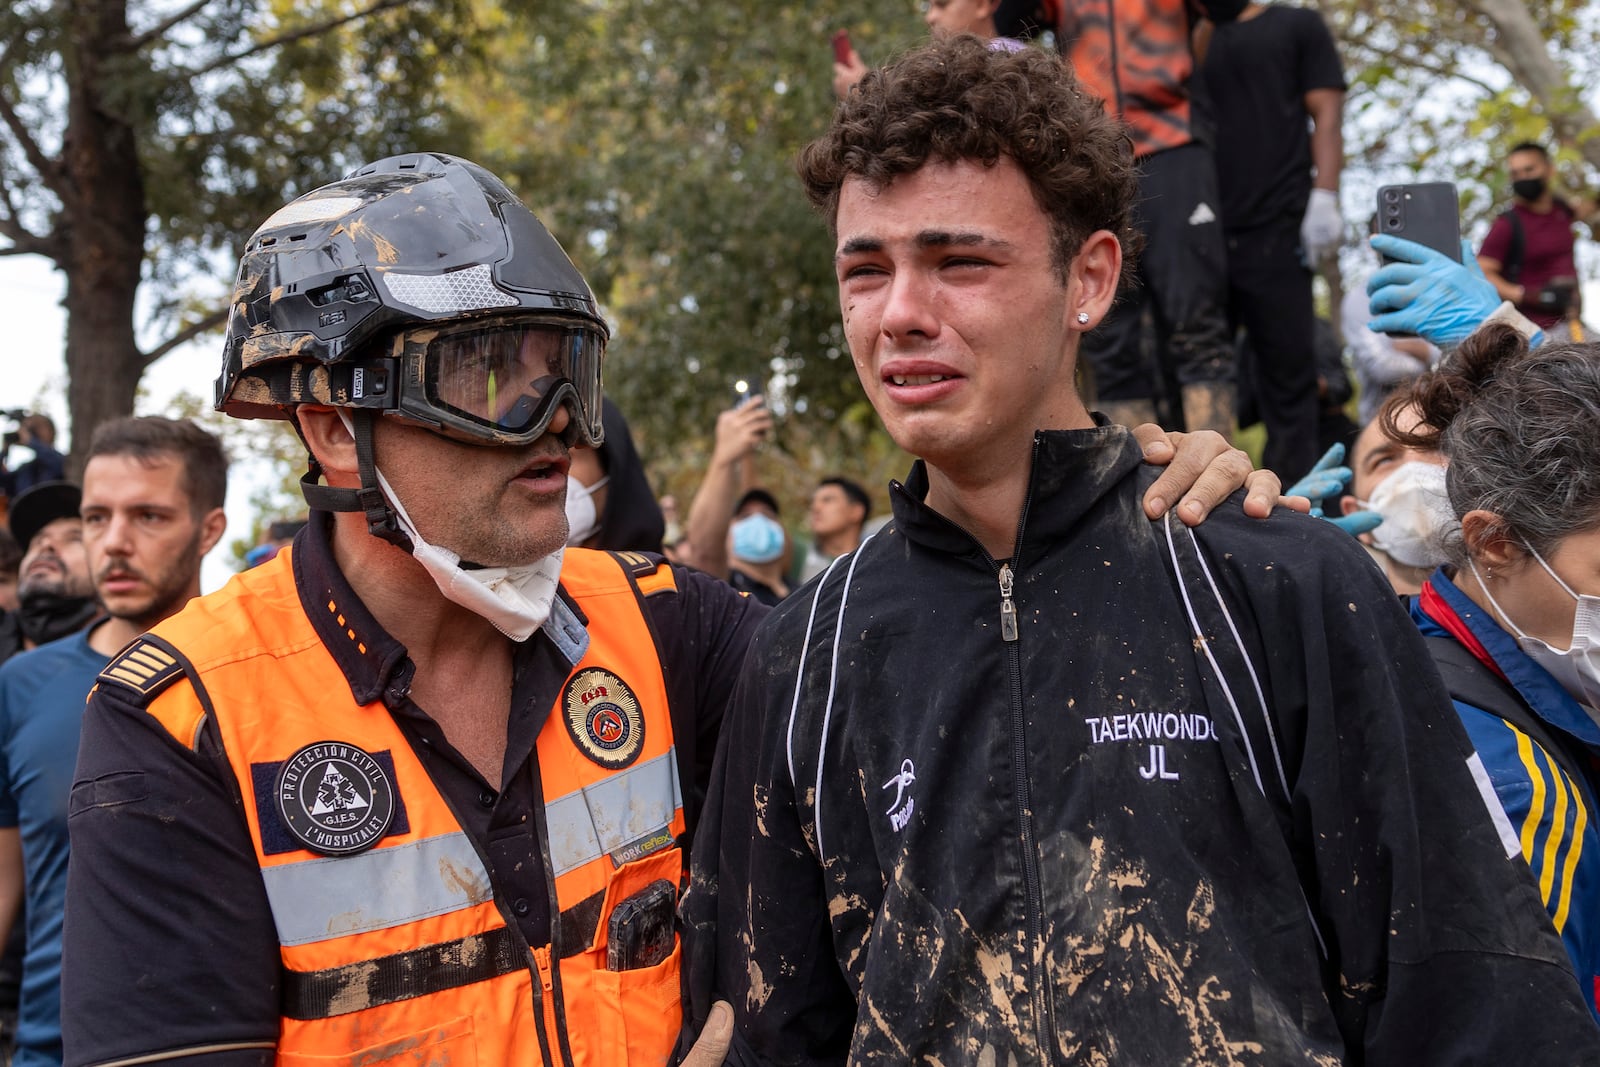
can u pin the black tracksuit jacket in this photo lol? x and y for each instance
(950, 826)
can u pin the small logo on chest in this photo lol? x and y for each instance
(904, 803)
(1155, 729)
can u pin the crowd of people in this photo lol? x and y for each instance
(1090, 747)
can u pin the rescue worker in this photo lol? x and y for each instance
(418, 786)
(373, 798)
(1037, 780)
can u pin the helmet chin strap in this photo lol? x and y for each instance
(369, 499)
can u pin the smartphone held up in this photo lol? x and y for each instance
(1425, 212)
(841, 46)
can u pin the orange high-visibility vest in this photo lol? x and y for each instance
(394, 948)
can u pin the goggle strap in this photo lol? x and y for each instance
(369, 499)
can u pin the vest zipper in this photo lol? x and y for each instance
(544, 962)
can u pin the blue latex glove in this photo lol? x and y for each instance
(1323, 480)
(1357, 522)
(1428, 293)
(1326, 479)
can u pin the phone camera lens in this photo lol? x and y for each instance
(1391, 196)
(1394, 223)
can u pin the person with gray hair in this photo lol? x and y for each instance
(1513, 620)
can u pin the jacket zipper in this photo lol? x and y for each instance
(1008, 610)
(1043, 1021)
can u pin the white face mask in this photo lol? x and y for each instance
(515, 600)
(1576, 667)
(582, 518)
(1416, 514)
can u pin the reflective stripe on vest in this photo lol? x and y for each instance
(620, 809)
(406, 936)
(332, 896)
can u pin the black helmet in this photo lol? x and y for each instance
(418, 287)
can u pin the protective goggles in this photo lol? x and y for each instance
(496, 381)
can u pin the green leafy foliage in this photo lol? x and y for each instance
(143, 142)
(657, 140)
(1439, 89)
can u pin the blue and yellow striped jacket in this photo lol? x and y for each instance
(1552, 815)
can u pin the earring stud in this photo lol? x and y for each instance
(1083, 318)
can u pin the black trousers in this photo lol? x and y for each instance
(1269, 297)
(1181, 283)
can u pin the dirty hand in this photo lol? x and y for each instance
(741, 429)
(1203, 469)
(1427, 293)
(712, 1046)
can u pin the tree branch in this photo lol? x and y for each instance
(48, 171)
(23, 240)
(315, 29)
(1418, 63)
(210, 321)
(160, 28)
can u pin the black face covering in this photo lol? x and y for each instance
(48, 616)
(1529, 188)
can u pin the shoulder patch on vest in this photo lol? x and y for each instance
(603, 717)
(144, 667)
(658, 581)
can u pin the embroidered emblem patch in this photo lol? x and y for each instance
(603, 717)
(334, 798)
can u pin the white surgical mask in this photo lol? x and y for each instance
(515, 600)
(1416, 514)
(582, 518)
(1576, 667)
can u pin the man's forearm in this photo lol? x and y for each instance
(11, 879)
(1508, 290)
(1327, 141)
(710, 514)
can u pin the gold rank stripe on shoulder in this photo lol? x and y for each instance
(143, 667)
(635, 563)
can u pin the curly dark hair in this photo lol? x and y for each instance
(957, 99)
(1521, 430)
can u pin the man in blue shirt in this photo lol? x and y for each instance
(151, 508)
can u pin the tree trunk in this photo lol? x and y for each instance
(104, 222)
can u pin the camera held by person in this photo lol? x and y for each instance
(35, 432)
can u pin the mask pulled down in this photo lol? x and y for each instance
(515, 600)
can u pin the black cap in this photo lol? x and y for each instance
(42, 505)
(757, 496)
